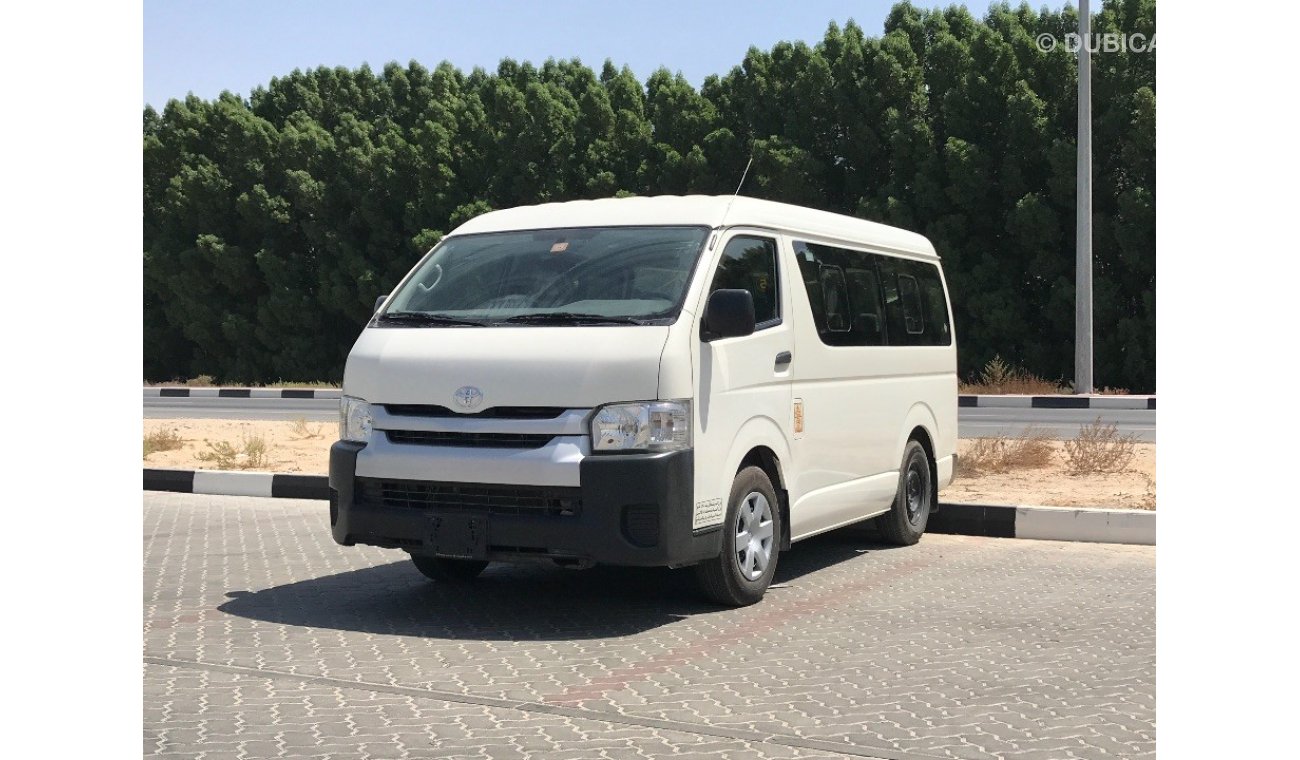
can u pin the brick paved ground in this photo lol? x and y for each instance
(263, 639)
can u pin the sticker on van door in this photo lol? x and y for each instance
(707, 514)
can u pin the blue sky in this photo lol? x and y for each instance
(207, 47)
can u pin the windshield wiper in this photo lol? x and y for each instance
(427, 318)
(568, 317)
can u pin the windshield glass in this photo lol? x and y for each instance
(611, 275)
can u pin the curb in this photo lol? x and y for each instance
(1000, 402)
(1057, 402)
(1112, 526)
(1108, 526)
(242, 392)
(221, 483)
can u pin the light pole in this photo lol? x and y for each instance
(1083, 221)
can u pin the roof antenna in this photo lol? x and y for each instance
(742, 176)
(727, 211)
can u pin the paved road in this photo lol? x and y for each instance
(263, 638)
(972, 421)
(315, 410)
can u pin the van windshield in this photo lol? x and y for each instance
(585, 275)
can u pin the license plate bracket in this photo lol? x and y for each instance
(459, 536)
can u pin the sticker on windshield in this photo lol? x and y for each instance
(560, 247)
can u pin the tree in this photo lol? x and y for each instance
(271, 223)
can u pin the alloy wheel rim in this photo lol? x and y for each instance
(754, 532)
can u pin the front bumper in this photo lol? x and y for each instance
(636, 509)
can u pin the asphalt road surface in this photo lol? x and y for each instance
(315, 410)
(973, 422)
(263, 638)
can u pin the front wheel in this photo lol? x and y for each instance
(448, 570)
(905, 521)
(751, 541)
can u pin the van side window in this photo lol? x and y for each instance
(835, 294)
(910, 295)
(915, 306)
(749, 263)
(844, 293)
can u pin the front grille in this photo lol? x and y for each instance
(470, 497)
(496, 412)
(471, 440)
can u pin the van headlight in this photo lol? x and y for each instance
(642, 426)
(355, 420)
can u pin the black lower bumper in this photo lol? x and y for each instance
(635, 510)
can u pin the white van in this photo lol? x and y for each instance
(672, 381)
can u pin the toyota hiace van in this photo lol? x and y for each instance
(665, 381)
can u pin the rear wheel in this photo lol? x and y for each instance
(751, 541)
(446, 569)
(906, 519)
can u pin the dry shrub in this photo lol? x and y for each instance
(162, 440)
(1148, 500)
(1099, 448)
(256, 452)
(999, 377)
(222, 455)
(1031, 449)
(984, 455)
(252, 453)
(302, 431)
(1108, 391)
(202, 381)
(997, 372)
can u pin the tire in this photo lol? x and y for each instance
(740, 575)
(448, 570)
(906, 519)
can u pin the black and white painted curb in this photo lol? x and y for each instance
(1058, 402)
(242, 392)
(1113, 526)
(223, 483)
(1109, 526)
(982, 402)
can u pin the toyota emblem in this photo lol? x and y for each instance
(468, 397)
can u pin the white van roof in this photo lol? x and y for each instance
(699, 210)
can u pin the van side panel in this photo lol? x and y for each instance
(857, 408)
(860, 403)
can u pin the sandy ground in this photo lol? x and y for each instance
(289, 450)
(296, 450)
(1135, 488)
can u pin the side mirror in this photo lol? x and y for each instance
(728, 314)
(379, 304)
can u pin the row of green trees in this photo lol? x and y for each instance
(271, 223)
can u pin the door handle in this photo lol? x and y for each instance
(783, 359)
